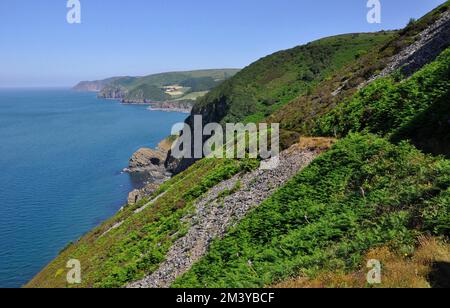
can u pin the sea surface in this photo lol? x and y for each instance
(61, 157)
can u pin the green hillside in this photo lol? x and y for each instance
(266, 85)
(147, 91)
(151, 87)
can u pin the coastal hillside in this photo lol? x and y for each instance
(162, 87)
(269, 84)
(364, 174)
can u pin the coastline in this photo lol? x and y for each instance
(169, 106)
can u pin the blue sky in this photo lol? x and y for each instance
(139, 37)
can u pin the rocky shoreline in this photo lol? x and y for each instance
(168, 106)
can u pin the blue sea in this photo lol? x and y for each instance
(61, 156)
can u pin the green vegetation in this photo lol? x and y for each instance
(266, 85)
(417, 108)
(299, 115)
(112, 257)
(363, 193)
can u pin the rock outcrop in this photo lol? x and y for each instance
(151, 162)
(113, 92)
(145, 160)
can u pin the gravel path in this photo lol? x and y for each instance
(214, 215)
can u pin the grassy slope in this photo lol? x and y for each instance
(267, 84)
(137, 247)
(362, 193)
(299, 115)
(147, 91)
(417, 108)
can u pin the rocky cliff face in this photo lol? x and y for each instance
(210, 113)
(146, 160)
(151, 162)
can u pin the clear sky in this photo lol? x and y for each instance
(139, 37)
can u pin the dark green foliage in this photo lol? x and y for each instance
(147, 92)
(417, 108)
(362, 193)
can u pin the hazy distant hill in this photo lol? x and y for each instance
(95, 86)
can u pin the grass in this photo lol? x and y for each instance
(427, 267)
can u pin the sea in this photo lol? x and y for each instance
(61, 159)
